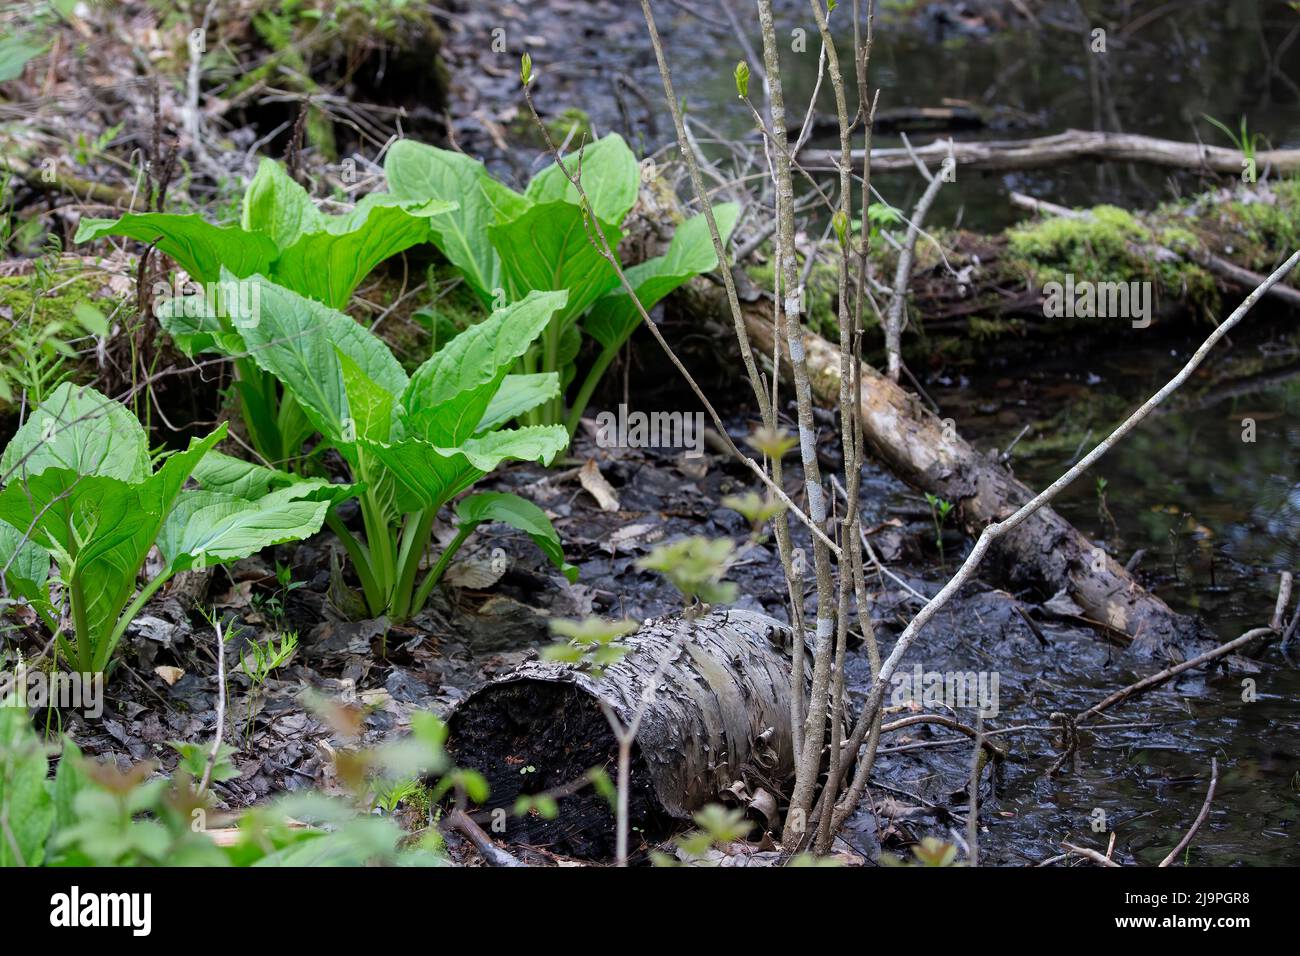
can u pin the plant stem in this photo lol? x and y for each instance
(105, 651)
(359, 554)
(76, 597)
(589, 384)
(383, 559)
(436, 572)
(415, 539)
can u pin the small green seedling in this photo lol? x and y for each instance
(939, 511)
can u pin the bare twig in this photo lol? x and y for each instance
(1200, 817)
(1089, 854)
(459, 820)
(221, 710)
(1283, 601)
(1159, 678)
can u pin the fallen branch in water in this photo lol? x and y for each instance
(1200, 817)
(929, 453)
(1159, 678)
(1093, 855)
(1070, 146)
(996, 752)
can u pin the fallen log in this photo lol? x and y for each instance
(1045, 551)
(1070, 146)
(719, 716)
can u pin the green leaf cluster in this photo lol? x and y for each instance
(284, 237)
(508, 244)
(413, 443)
(79, 495)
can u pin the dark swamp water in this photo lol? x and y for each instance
(1219, 517)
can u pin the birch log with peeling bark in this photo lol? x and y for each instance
(720, 714)
(1065, 147)
(1046, 550)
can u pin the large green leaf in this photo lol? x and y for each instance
(448, 394)
(237, 478)
(614, 316)
(419, 172)
(207, 527)
(161, 489)
(371, 406)
(195, 328)
(518, 513)
(80, 430)
(430, 476)
(298, 340)
(278, 207)
(548, 248)
(609, 175)
(82, 490)
(284, 235)
(99, 526)
(24, 565)
(101, 521)
(327, 265)
(518, 394)
(201, 248)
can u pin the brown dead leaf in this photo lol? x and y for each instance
(169, 674)
(478, 572)
(592, 480)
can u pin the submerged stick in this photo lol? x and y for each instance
(1200, 817)
(1159, 678)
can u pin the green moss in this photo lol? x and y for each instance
(1263, 229)
(62, 296)
(1109, 246)
(1098, 246)
(36, 310)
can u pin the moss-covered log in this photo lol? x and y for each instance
(986, 290)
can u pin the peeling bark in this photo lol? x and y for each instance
(719, 714)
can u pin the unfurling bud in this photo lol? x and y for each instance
(841, 224)
(742, 79)
(525, 69)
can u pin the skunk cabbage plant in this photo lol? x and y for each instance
(81, 497)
